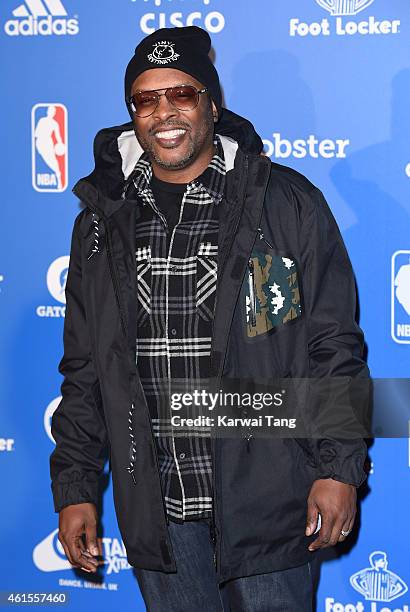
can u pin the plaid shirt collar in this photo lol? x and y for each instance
(212, 180)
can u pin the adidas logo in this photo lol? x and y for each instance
(41, 18)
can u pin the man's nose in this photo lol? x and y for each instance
(165, 109)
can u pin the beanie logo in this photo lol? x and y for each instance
(163, 53)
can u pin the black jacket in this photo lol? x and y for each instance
(261, 488)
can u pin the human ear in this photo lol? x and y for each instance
(214, 112)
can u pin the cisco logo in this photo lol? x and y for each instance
(212, 21)
(41, 18)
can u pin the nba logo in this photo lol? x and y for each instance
(400, 297)
(49, 147)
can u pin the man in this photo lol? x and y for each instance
(185, 231)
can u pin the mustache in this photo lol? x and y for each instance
(168, 125)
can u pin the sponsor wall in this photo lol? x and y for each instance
(327, 85)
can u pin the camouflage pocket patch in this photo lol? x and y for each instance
(272, 292)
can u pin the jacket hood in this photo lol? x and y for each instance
(117, 150)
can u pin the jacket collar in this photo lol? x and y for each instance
(212, 180)
(116, 152)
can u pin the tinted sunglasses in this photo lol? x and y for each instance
(182, 97)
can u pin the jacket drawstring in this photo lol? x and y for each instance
(130, 467)
(95, 248)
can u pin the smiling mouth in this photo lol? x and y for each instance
(170, 135)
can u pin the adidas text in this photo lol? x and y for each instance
(41, 27)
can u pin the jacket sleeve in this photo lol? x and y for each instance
(77, 425)
(339, 378)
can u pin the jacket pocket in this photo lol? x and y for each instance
(206, 276)
(272, 291)
(144, 281)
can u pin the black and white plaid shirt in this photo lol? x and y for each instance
(176, 293)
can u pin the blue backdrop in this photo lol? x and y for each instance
(327, 85)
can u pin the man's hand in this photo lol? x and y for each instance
(336, 502)
(75, 521)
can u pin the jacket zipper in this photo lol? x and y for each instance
(214, 530)
(220, 264)
(214, 543)
(252, 295)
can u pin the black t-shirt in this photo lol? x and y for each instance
(168, 198)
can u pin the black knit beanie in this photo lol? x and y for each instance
(184, 49)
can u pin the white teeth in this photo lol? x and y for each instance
(170, 134)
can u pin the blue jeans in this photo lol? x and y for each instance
(194, 586)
